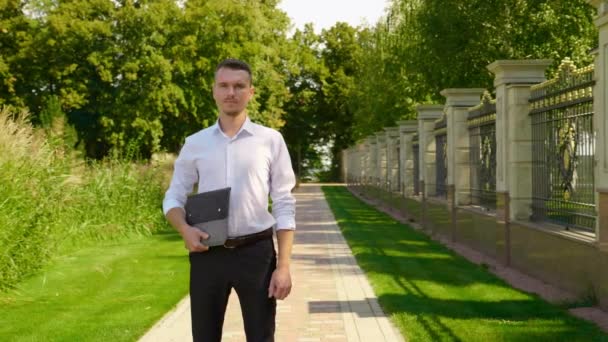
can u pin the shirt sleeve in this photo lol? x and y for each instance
(282, 181)
(182, 182)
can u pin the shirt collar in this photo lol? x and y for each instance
(248, 127)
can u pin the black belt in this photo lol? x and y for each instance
(240, 241)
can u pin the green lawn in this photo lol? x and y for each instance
(433, 294)
(107, 293)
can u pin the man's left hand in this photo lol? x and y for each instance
(280, 283)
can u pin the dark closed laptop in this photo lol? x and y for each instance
(208, 211)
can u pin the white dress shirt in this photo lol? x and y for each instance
(254, 163)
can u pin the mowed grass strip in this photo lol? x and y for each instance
(107, 293)
(433, 294)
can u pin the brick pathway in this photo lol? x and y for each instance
(331, 299)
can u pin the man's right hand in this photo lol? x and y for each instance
(192, 236)
(193, 239)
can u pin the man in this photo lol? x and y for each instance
(253, 161)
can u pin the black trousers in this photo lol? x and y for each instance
(247, 270)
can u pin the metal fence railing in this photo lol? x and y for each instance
(441, 157)
(383, 179)
(397, 186)
(416, 156)
(563, 148)
(482, 153)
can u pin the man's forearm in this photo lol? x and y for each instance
(285, 241)
(177, 218)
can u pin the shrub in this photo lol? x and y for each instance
(51, 203)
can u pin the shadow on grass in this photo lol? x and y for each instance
(433, 294)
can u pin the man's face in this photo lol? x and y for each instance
(232, 91)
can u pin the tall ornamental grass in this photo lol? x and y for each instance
(51, 203)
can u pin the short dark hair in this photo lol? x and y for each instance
(234, 64)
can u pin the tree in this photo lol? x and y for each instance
(422, 47)
(15, 32)
(319, 116)
(341, 57)
(135, 76)
(303, 116)
(212, 30)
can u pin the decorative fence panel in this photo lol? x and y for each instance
(563, 148)
(394, 164)
(416, 155)
(383, 163)
(441, 157)
(482, 134)
(373, 179)
(397, 185)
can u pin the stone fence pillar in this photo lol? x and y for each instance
(407, 129)
(392, 157)
(372, 163)
(427, 114)
(600, 123)
(458, 101)
(359, 163)
(381, 160)
(513, 79)
(345, 176)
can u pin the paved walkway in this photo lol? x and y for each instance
(331, 299)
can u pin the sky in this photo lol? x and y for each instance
(325, 13)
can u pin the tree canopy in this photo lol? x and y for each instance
(421, 47)
(136, 75)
